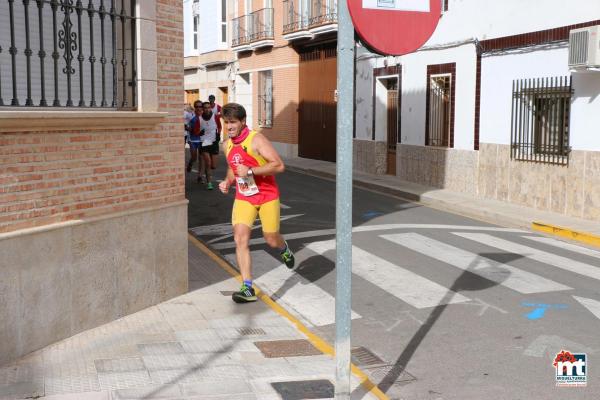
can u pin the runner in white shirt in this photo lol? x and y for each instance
(216, 110)
(210, 146)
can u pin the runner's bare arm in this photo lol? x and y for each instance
(274, 164)
(226, 183)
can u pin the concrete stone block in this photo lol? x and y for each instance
(9, 300)
(558, 193)
(135, 263)
(94, 272)
(45, 290)
(575, 196)
(591, 209)
(147, 34)
(170, 252)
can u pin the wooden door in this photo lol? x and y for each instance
(191, 96)
(317, 110)
(224, 95)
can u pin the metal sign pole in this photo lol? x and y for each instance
(343, 215)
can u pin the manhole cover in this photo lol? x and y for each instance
(251, 331)
(287, 348)
(386, 374)
(298, 390)
(362, 357)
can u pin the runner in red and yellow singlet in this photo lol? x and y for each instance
(252, 162)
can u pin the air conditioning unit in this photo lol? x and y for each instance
(584, 48)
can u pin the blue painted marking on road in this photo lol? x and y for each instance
(540, 309)
(536, 314)
(372, 214)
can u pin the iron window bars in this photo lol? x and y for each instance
(540, 120)
(76, 55)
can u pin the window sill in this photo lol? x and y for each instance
(42, 120)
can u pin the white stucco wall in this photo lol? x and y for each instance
(585, 112)
(414, 86)
(209, 38)
(454, 41)
(487, 19)
(497, 75)
(243, 94)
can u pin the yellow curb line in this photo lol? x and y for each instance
(583, 237)
(316, 341)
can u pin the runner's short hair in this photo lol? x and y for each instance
(233, 110)
(199, 102)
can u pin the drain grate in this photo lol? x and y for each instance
(287, 348)
(251, 331)
(383, 374)
(362, 357)
(299, 390)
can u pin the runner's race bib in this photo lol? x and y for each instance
(246, 185)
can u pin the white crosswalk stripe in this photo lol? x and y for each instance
(592, 305)
(503, 274)
(403, 284)
(535, 254)
(313, 305)
(564, 245)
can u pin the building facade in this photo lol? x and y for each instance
(93, 215)
(286, 72)
(208, 62)
(489, 106)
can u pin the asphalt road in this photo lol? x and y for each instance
(444, 307)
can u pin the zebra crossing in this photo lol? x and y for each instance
(315, 305)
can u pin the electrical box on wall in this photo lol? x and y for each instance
(584, 48)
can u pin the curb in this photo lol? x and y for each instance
(483, 215)
(486, 216)
(583, 237)
(315, 340)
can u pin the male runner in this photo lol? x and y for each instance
(210, 145)
(216, 110)
(252, 162)
(195, 138)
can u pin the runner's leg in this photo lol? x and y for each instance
(242, 218)
(269, 214)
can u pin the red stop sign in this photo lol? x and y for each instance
(395, 27)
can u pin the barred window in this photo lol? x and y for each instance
(540, 120)
(440, 107)
(195, 32)
(224, 21)
(265, 99)
(68, 53)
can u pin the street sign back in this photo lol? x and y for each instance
(395, 27)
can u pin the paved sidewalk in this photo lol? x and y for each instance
(197, 346)
(493, 211)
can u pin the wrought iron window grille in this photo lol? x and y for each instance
(540, 120)
(68, 53)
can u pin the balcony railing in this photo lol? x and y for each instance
(302, 15)
(252, 28)
(322, 12)
(262, 24)
(239, 32)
